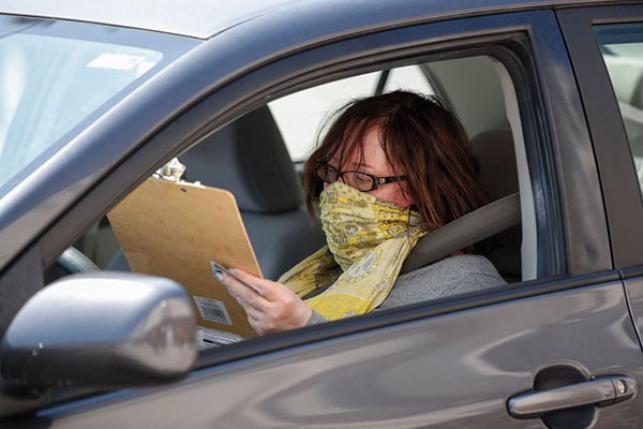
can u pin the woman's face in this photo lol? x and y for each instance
(374, 162)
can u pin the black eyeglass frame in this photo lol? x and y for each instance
(375, 180)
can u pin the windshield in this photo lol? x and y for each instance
(56, 77)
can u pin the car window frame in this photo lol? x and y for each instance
(327, 73)
(152, 153)
(619, 182)
(255, 87)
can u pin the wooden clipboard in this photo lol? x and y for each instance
(174, 229)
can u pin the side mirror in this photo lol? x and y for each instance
(101, 329)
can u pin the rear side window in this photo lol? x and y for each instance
(622, 49)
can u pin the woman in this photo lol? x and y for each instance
(390, 169)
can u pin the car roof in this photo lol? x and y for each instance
(195, 18)
(205, 18)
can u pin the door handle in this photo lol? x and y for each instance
(599, 391)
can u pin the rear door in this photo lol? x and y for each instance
(606, 47)
(459, 362)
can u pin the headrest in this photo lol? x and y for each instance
(494, 150)
(495, 153)
(248, 157)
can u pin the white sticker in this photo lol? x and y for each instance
(120, 62)
(212, 310)
(208, 337)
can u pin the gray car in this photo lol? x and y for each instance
(95, 97)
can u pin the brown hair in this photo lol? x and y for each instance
(421, 139)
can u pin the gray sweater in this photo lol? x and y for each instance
(451, 276)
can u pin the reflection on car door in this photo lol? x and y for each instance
(453, 370)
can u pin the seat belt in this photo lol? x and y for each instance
(465, 231)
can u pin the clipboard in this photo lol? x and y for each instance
(175, 230)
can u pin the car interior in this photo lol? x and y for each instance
(259, 158)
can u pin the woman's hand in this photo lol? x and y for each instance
(272, 308)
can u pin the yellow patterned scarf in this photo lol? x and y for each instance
(368, 240)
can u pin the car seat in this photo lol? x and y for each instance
(494, 150)
(249, 158)
(500, 218)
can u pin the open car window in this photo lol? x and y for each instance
(252, 157)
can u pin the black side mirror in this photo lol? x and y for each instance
(101, 329)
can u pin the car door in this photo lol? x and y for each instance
(490, 359)
(608, 42)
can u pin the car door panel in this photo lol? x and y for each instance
(455, 370)
(598, 87)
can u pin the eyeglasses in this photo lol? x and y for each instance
(355, 179)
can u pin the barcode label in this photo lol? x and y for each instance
(212, 310)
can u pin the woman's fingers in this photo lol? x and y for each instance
(257, 283)
(243, 294)
(268, 289)
(275, 308)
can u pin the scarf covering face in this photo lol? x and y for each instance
(368, 240)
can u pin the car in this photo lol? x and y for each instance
(96, 99)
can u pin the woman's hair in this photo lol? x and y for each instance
(421, 139)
